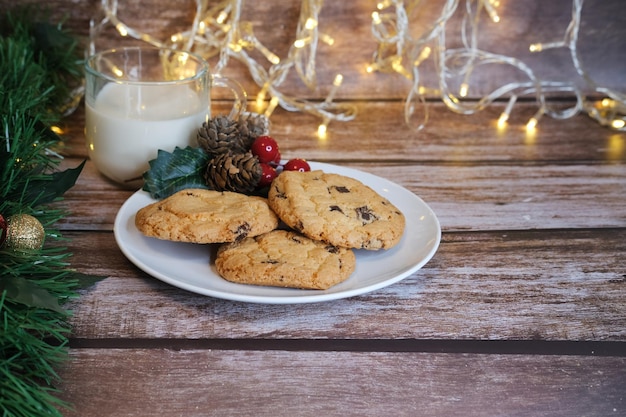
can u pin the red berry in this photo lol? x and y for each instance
(265, 148)
(268, 175)
(297, 164)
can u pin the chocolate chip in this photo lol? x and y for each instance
(365, 214)
(332, 249)
(336, 208)
(280, 194)
(271, 261)
(242, 231)
(340, 189)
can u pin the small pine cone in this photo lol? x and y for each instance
(251, 126)
(239, 173)
(220, 135)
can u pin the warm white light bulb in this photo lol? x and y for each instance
(121, 29)
(502, 120)
(235, 47)
(221, 18)
(383, 4)
(327, 39)
(260, 99)
(464, 90)
(310, 23)
(424, 54)
(117, 71)
(322, 130)
(376, 18)
(618, 124)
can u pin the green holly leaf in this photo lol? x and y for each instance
(172, 172)
(47, 189)
(23, 291)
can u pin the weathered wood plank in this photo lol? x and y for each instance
(277, 383)
(379, 133)
(561, 285)
(464, 197)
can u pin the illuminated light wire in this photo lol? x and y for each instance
(396, 45)
(217, 30)
(504, 117)
(333, 91)
(271, 107)
(491, 10)
(424, 54)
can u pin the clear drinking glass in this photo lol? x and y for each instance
(142, 99)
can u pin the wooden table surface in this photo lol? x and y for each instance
(521, 311)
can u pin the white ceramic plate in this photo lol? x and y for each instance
(190, 267)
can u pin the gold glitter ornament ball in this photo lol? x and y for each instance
(24, 232)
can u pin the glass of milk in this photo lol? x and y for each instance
(142, 99)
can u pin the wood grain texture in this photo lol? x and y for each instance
(531, 260)
(563, 285)
(464, 197)
(125, 383)
(379, 133)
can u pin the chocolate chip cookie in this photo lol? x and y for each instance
(206, 216)
(336, 209)
(284, 258)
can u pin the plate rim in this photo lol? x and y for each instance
(315, 295)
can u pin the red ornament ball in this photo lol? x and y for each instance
(3, 230)
(265, 148)
(297, 164)
(268, 175)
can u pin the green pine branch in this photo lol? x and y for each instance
(38, 66)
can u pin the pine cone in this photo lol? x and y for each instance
(239, 173)
(251, 126)
(220, 135)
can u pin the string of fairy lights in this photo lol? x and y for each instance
(404, 54)
(217, 31)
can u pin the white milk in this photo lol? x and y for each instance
(128, 124)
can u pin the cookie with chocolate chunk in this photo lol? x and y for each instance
(336, 209)
(284, 258)
(206, 216)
